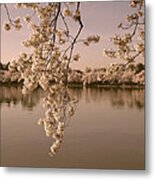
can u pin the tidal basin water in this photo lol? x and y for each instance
(106, 131)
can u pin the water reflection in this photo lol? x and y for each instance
(107, 130)
(12, 96)
(117, 97)
(60, 104)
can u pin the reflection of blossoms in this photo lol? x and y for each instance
(59, 107)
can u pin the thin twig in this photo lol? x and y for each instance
(8, 15)
(73, 43)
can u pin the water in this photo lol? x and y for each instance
(107, 130)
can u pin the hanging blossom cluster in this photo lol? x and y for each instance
(60, 106)
(51, 41)
(131, 44)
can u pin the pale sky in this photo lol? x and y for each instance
(99, 18)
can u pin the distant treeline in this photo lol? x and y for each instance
(114, 74)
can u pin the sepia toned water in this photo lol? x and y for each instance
(107, 130)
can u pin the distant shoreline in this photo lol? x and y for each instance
(116, 75)
(77, 85)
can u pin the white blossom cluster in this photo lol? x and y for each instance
(60, 106)
(16, 23)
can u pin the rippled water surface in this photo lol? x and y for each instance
(106, 131)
